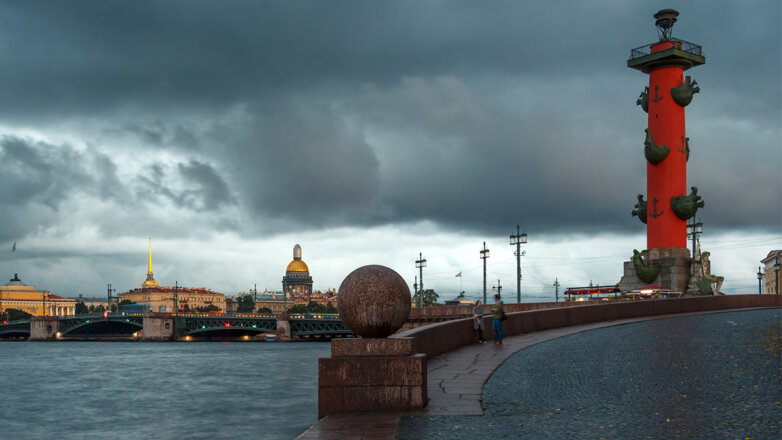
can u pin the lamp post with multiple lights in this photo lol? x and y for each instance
(760, 278)
(693, 230)
(484, 255)
(518, 240)
(776, 275)
(420, 263)
(498, 289)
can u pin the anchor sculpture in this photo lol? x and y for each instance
(686, 206)
(682, 95)
(685, 148)
(646, 271)
(657, 95)
(643, 100)
(654, 153)
(655, 213)
(640, 209)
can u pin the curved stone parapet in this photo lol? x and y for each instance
(442, 337)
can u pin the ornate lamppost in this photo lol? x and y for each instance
(518, 240)
(484, 255)
(420, 263)
(693, 230)
(760, 278)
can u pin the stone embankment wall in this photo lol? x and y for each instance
(420, 317)
(442, 337)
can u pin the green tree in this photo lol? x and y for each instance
(207, 309)
(126, 301)
(264, 310)
(16, 314)
(113, 307)
(299, 308)
(315, 307)
(430, 297)
(245, 304)
(81, 308)
(330, 308)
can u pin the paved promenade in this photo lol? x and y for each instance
(609, 383)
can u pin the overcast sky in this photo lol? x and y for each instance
(368, 132)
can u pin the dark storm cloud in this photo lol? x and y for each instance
(38, 180)
(362, 113)
(45, 184)
(210, 191)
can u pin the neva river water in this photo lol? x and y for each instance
(204, 390)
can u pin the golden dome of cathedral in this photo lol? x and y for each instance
(297, 266)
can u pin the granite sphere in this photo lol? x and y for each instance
(373, 301)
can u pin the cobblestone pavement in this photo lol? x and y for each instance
(715, 376)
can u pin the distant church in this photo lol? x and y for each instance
(297, 280)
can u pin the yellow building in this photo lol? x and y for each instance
(158, 298)
(17, 295)
(771, 269)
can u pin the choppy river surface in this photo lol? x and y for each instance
(117, 390)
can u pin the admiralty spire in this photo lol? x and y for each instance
(150, 281)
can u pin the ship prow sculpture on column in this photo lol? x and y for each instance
(372, 372)
(667, 262)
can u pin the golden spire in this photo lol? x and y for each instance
(150, 281)
(149, 263)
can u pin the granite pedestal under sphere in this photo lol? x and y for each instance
(374, 301)
(374, 372)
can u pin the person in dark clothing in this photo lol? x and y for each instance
(477, 321)
(496, 313)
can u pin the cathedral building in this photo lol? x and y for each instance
(159, 298)
(297, 280)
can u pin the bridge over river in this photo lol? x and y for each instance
(176, 327)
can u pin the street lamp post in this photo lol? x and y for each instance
(518, 240)
(484, 255)
(776, 275)
(760, 278)
(420, 263)
(498, 288)
(176, 296)
(556, 289)
(415, 284)
(693, 230)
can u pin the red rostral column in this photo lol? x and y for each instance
(666, 145)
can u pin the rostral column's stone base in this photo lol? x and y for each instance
(674, 270)
(371, 374)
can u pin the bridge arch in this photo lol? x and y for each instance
(99, 327)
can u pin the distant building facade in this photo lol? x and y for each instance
(19, 296)
(771, 277)
(158, 298)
